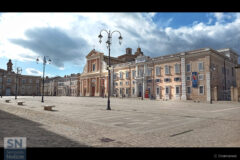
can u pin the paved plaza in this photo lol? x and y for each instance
(85, 122)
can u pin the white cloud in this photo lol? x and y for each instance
(135, 28)
(35, 72)
(219, 16)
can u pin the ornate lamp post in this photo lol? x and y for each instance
(108, 43)
(44, 64)
(19, 71)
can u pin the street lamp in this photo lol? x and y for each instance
(108, 43)
(44, 64)
(19, 71)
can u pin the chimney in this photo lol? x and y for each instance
(139, 49)
(9, 65)
(128, 50)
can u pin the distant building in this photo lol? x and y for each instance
(26, 85)
(69, 85)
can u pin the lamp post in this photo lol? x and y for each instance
(19, 71)
(108, 42)
(44, 64)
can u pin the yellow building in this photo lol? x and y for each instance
(202, 74)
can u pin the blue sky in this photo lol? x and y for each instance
(68, 37)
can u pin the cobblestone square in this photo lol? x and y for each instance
(85, 122)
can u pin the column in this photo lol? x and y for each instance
(144, 83)
(183, 75)
(136, 87)
(105, 86)
(208, 84)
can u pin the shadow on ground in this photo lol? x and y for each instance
(15, 126)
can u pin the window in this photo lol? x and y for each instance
(133, 73)
(167, 89)
(120, 90)
(116, 84)
(157, 80)
(158, 91)
(177, 79)
(177, 68)
(201, 89)
(222, 70)
(140, 72)
(188, 90)
(121, 75)
(9, 80)
(177, 89)
(127, 74)
(188, 78)
(127, 90)
(133, 90)
(200, 66)
(120, 83)
(167, 69)
(158, 71)
(127, 83)
(201, 77)
(0, 79)
(149, 71)
(227, 71)
(115, 76)
(234, 83)
(93, 67)
(232, 71)
(134, 82)
(30, 81)
(149, 81)
(188, 67)
(167, 80)
(23, 81)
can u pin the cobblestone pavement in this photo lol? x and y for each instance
(85, 122)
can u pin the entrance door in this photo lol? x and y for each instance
(84, 92)
(139, 91)
(8, 92)
(93, 91)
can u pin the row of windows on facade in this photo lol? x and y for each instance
(167, 70)
(167, 90)
(176, 79)
(9, 80)
(63, 84)
(158, 71)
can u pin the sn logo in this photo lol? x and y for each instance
(15, 142)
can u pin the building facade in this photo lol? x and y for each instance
(203, 74)
(69, 85)
(26, 85)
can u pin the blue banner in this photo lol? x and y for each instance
(194, 79)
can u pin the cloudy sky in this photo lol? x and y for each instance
(68, 37)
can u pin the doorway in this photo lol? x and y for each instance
(8, 92)
(93, 90)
